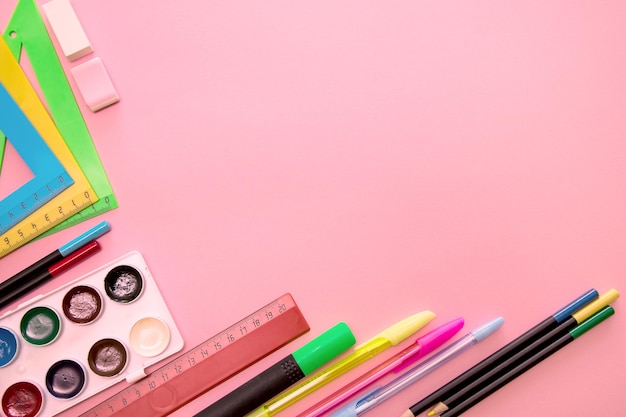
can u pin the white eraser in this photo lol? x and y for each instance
(67, 29)
(94, 84)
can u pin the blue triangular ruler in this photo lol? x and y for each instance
(17, 171)
(49, 175)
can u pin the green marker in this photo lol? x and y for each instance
(283, 374)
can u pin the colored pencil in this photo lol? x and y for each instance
(539, 344)
(530, 362)
(42, 264)
(53, 271)
(511, 348)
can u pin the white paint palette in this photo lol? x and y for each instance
(60, 348)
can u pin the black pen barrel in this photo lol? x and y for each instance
(256, 391)
(32, 270)
(507, 364)
(508, 377)
(511, 348)
(15, 293)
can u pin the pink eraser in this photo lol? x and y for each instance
(94, 84)
(67, 29)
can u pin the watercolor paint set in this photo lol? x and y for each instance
(60, 348)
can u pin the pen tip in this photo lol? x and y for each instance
(400, 331)
(488, 328)
(105, 226)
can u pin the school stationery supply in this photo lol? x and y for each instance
(381, 394)
(283, 374)
(91, 77)
(387, 338)
(67, 28)
(501, 368)
(514, 346)
(69, 201)
(94, 84)
(26, 30)
(213, 361)
(56, 256)
(89, 334)
(44, 275)
(527, 364)
(395, 364)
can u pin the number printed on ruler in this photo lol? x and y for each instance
(35, 200)
(204, 350)
(104, 204)
(20, 235)
(280, 321)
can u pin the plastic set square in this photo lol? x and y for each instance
(62, 347)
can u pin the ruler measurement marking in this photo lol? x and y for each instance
(35, 200)
(152, 382)
(15, 238)
(215, 345)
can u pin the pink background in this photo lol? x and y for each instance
(375, 159)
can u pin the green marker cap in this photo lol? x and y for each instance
(324, 348)
(592, 321)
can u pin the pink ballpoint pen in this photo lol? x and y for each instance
(422, 347)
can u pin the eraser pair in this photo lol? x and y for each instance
(91, 77)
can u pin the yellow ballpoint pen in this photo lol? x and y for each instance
(385, 339)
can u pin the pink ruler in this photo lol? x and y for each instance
(218, 358)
